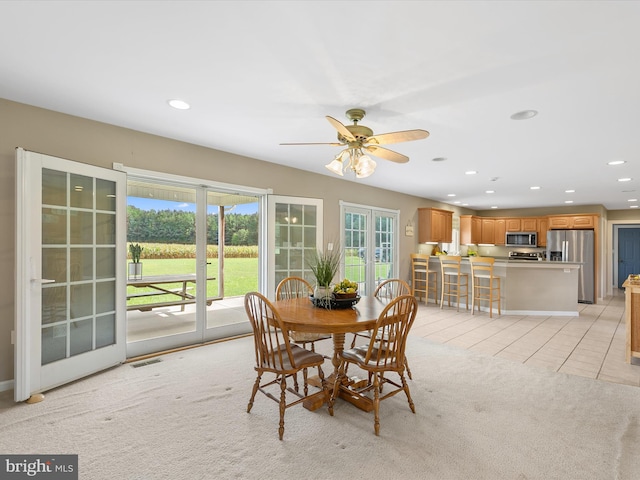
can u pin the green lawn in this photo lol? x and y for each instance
(241, 276)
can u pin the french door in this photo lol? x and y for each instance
(70, 271)
(370, 238)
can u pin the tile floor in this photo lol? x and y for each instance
(591, 344)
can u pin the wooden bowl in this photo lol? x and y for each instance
(343, 296)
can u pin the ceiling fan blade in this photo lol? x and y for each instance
(386, 154)
(342, 130)
(397, 137)
(330, 144)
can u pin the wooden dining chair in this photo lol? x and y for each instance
(297, 287)
(379, 359)
(276, 355)
(388, 290)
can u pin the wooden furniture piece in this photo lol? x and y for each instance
(275, 355)
(379, 359)
(301, 315)
(388, 290)
(297, 287)
(423, 280)
(632, 317)
(453, 282)
(434, 225)
(160, 285)
(484, 284)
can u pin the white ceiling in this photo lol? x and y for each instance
(260, 73)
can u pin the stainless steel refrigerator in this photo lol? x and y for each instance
(575, 246)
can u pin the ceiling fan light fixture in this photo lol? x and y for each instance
(335, 166)
(365, 166)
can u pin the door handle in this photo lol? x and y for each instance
(42, 281)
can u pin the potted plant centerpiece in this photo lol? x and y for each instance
(135, 266)
(324, 266)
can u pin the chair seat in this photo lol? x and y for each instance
(358, 355)
(300, 337)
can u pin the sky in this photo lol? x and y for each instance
(152, 204)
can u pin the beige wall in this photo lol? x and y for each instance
(99, 144)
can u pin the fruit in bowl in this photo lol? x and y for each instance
(345, 289)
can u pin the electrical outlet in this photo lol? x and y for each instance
(329, 246)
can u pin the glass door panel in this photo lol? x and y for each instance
(295, 235)
(370, 239)
(161, 298)
(232, 260)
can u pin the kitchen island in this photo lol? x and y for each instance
(530, 287)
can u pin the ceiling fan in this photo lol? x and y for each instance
(358, 139)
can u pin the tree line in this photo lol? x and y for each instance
(171, 226)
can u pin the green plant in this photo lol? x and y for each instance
(325, 265)
(135, 250)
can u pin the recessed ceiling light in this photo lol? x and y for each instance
(624, 179)
(470, 172)
(633, 206)
(439, 159)
(457, 202)
(494, 206)
(632, 200)
(569, 191)
(524, 115)
(568, 201)
(179, 104)
(465, 204)
(451, 194)
(490, 191)
(534, 188)
(616, 162)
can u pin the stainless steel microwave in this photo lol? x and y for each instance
(521, 239)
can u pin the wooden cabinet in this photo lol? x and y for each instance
(529, 224)
(470, 230)
(526, 224)
(488, 229)
(513, 225)
(434, 225)
(543, 228)
(477, 230)
(559, 222)
(500, 231)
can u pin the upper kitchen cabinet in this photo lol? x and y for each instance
(488, 235)
(513, 225)
(470, 230)
(543, 227)
(526, 224)
(560, 222)
(500, 231)
(434, 225)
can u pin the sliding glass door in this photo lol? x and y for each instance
(200, 255)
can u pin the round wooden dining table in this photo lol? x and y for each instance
(300, 314)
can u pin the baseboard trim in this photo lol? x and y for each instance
(6, 385)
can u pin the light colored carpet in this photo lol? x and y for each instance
(477, 417)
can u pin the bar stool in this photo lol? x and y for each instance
(481, 270)
(454, 282)
(423, 280)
